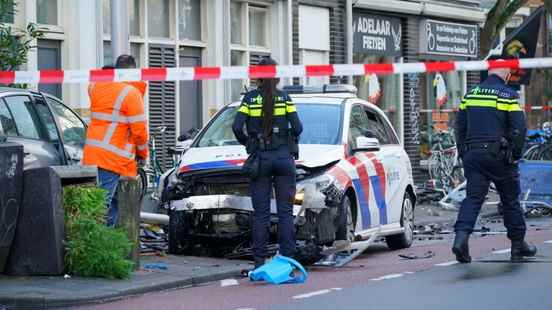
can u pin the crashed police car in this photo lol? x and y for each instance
(354, 180)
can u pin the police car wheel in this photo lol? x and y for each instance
(404, 239)
(179, 241)
(346, 227)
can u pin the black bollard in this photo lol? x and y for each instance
(11, 183)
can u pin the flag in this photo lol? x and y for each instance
(521, 43)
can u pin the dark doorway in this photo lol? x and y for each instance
(49, 58)
(190, 92)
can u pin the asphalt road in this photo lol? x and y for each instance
(380, 279)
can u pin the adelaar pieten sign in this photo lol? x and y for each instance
(375, 34)
(451, 39)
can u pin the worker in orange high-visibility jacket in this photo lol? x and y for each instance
(117, 136)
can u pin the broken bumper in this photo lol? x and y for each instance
(221, 202)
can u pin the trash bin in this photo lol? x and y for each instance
(11, 181)
(38, 247)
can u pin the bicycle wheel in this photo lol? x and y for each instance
(143, 178)
(546, 152)
(531, 152)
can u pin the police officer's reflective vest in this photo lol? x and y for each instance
(117, 132)
(285, 114)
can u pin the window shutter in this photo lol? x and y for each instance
(162, 104)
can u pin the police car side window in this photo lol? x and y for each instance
(358, 124)
(377, 127)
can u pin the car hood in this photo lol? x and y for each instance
(232, 157)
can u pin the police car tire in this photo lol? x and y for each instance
(342, 232)
(402, 241)
(179, 241)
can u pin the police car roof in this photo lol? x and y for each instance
(323, 94)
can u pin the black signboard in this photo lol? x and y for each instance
(376, 34)
(451, 39)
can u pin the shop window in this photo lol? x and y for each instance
(383, 91)
(8, 16)
(46, 12)
(258, 26)
(158, 18)
(443, 94)
(189, 19)
(133, 17)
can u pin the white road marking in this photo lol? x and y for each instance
(228, 282)
(389, 276)
(245, 309)
(336, 288)
(408, 272)
(311, 294)
(453, 262)
(548, 241)
(502, 251)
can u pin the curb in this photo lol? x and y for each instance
(40, 302)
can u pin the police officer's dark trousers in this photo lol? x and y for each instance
(481, 168)
(277, 168)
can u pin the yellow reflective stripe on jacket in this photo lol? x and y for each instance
(510, 106)
(255, 110)
(472, 96)
(290, 107)
(244, 109)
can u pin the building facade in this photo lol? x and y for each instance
(180, 33)
(419, 105)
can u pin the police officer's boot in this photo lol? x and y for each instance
(521, 249)
(460, 247)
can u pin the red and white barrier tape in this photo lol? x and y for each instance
(252, 72)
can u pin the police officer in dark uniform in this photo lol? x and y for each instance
(490, 132)
(272, 131)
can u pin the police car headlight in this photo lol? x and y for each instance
(320, 182)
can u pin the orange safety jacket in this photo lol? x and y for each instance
(117, 133)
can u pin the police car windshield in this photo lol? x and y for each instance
(321, 125)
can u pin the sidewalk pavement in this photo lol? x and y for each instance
(49, 292)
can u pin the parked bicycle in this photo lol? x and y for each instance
(540, 146)
(444, 165)
(150, 174)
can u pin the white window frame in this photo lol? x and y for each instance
(57, 26)
(245, 46)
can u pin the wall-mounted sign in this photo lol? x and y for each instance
(451, 39)
(378, 35)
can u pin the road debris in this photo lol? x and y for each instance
(156, 266)
(153, 240)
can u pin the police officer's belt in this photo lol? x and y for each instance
(492, 147)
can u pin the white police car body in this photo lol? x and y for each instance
(354, 179)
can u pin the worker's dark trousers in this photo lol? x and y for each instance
(481, 168)
(278, 168)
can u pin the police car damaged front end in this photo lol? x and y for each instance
(211, 212)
